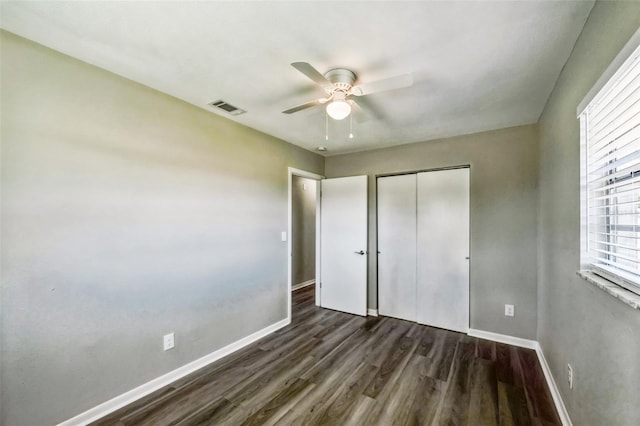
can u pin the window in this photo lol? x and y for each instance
(610, 142)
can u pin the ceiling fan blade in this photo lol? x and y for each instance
(358, 113)
(301, 107)
(397, 82)
(371, 108)
(312, 73)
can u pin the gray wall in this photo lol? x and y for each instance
(504, 199)
(578, 323)
(303, 224)
(126, 214)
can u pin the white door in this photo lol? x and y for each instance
(397, 246)
(443, 249)
(343, 244)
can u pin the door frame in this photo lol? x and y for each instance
(291, 171)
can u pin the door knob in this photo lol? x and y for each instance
(361, 252)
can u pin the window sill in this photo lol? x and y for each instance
(622, 294)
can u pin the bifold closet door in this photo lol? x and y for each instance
(443, 249)
(397, 246)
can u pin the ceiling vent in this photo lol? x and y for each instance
(228, 108)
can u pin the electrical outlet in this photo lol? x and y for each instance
(570, 376)
(509, 310)
(169, 341)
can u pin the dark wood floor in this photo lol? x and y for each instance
(333, 368)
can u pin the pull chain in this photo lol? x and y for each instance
(350, 126)
(326, 126)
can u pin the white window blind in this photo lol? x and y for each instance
(610, 128)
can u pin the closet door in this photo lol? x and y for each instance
(397, 246)
(443, 249)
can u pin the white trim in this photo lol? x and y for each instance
(133, 395)
(555, 393)
(318, 241)
(535, 345)
(613, 67)
(372, 312)
(303, 284)
(503, 338)
(305, 174)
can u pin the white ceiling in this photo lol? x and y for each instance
(477, 65)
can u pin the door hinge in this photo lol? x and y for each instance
(320, 285)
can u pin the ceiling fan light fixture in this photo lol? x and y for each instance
(338, 109)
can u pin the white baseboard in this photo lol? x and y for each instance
(372, 312)
(133, 395)
(535, 345)
(555, 393)
(503, 338)
(303, 285)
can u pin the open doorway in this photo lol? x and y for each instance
(304, 220)
(303, 232)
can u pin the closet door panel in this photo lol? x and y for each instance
(443, 249)
(397, 246)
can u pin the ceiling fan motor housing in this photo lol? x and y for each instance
(341, 78)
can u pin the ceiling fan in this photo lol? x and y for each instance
(339, 84)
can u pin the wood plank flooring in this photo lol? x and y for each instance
(332, 368)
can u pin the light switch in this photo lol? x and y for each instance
(509, 310)
(169, 341)
(284, 236)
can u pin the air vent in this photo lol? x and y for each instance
(228, 108)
